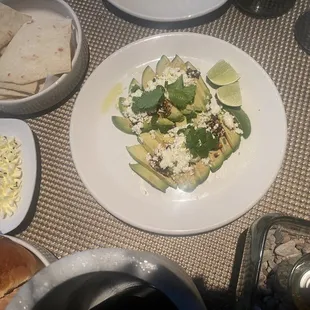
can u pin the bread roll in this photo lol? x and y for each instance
(17, 265)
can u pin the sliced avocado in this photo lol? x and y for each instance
(123, 124)
(216, 160)
(121, 107)
(202, 172)
(189, 65)
(199, 103)
(177, 62)
(149, 177)
(164, 124)
(138, 153)
(187, 182)
(148, 142)
(134, 86)
(162, 64)
(232, 138)
(201, 85)
(175, 114)
(225, 147)
(161, 138)
(147, 75)
(243, 120)
(182, 123)
(147, 126)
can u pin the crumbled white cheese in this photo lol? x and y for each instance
(137, 119)
(127, 102)
(228, 120)
(202, 120)
(137, 93)
(10, 175)
(170, 75)
(175, 156)
(152, 133)
(214, 107)
(205, 161)
(238, 131)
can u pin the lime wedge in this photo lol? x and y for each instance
(230, 95)
(222, 73)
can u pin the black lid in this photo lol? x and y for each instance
(302, 31)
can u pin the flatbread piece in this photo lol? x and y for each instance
(39, 49)
(10, 23)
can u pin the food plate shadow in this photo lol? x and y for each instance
(215, 299)
(33, 207)
(169, 25)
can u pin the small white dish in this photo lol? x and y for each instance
(67, 83)
(22, 132)
(102, 161)
(168, 11)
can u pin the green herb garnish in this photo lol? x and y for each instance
(149, 101)
(200, 142)
(180, 95)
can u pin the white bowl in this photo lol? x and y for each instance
(41, 253)
(66, 84)
(22, 132)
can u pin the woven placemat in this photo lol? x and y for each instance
(68, 219)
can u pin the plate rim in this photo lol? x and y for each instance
(184, 232)
(31, 180)
(165, 20)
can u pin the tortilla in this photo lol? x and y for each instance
(39, 49)
(2, 50)
(27, 88)
(12, 93)
(10, 23)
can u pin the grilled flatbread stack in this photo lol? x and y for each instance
(36, 49)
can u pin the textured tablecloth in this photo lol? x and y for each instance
(68, 219)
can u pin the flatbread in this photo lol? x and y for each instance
(2, 50)
(26, 88)
(39, 49)
(10, 23)
(12, 93)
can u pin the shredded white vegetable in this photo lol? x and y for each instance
(10, 175)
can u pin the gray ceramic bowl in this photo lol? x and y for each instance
(67, 83)
(84, 280)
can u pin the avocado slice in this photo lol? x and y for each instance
(121, 107)
(177, 62)
(164, 124)
(162, 64)
(134, 86)
(147, 75)
(202, 172)
(148, 142)
(182, 123)
(147, 126)
(201, 85)
(216, 160)
(232, 137)
(139, 153)
(242, 119)
(186, 182)
(175, 114)
(123, 124)
(149, 177)
(225, 147)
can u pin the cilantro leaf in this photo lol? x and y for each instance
(200, 142)
(180, 95)
(149, 101)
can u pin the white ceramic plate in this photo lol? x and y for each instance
(99, 153)
(168, 11)
(20, 130)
